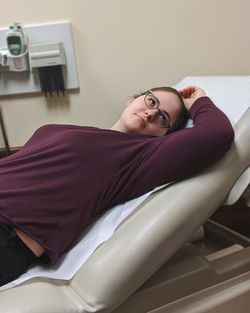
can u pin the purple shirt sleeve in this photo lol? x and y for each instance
(187, 151)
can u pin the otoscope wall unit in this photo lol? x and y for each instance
(35, 58)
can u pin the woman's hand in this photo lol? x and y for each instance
(190, 94)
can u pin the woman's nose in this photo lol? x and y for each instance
(150, 113)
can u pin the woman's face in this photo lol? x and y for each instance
(139, 119)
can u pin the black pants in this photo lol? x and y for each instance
(15, 256)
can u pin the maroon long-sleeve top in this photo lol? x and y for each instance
(64, 175)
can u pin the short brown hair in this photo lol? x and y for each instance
(182, 120)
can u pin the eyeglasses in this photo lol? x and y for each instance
(152, 102)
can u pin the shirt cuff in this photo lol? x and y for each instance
(200, 102)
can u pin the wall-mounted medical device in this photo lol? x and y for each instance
(37, 58)
(48, 60)
(15, 40)
(14, 56)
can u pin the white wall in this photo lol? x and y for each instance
(125, 46)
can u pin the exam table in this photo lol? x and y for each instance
(151, 264)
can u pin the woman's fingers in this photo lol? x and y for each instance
(191, 91)
(190, 94)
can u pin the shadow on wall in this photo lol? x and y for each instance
(59, 101)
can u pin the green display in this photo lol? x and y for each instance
(14, 44)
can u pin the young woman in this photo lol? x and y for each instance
(64, 175)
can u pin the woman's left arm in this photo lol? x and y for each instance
(190, 150)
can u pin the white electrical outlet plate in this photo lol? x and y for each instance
(12, 83)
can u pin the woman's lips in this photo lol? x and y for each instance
(141, 120)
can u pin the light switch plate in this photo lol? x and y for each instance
(12, 83)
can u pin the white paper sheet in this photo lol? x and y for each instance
(230, 93)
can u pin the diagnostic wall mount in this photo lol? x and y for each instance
(37, 58)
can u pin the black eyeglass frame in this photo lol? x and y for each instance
(156, 107)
